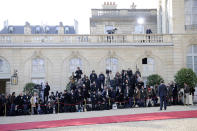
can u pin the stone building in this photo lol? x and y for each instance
(126, 21)
(38, 57)
(38, 29)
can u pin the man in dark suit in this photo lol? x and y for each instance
(46, 92)
(102, 79)
(78, 73)
(162, 94)
(93, 76)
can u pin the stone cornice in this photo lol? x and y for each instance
(81, 45)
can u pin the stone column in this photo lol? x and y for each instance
(178, 16)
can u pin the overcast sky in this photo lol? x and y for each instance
(51, 12)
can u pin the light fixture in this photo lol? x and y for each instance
(14, 78)
(140, 21)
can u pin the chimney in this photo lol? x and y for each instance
(76, 26)
(109, 5)
(60, 23)
(6, 24)
(27, 23)
(27, 28)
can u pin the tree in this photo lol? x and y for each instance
(29, 88)
(187, 76)
(154, 79)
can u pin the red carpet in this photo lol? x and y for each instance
(100, 120)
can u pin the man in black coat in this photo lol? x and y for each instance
(46, 92)
(93, 76)
(148, 31)
(67, 101)
(87, 83)
(13, 104)
(162, 94)
(102, 79)
(78, 73)
(19, 103)
(130, 73)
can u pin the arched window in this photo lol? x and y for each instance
(4, 68)
(38, 65)
(38, 70)
(4, 71)
(112, 64)
(148, 66)
(192, 58)
(74, 63)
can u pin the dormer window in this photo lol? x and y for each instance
(66, 30)
(56, 29)
(47, 29)
(11, 29)
(37, 30)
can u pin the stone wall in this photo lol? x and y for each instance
(168, 60)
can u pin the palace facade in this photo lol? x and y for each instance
(38, 54)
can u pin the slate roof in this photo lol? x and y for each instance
(37, 30)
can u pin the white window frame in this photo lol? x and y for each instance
(189, 12)
(38, 73)
(191, 53)
(148, 66)
(1, 65)
(139, 29)
(112, 64)
(74, 63)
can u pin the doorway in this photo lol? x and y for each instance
(3, 85)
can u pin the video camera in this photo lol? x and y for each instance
(108, 71)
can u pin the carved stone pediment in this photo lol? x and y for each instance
(148, 53)
(75, 54)
(37, 53)
(111, 53)
(193, 40)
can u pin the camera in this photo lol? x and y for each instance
(107, 71)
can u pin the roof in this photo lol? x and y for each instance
(37, 29)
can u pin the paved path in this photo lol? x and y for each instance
(159, 125)
(149, 125)
(62, 116)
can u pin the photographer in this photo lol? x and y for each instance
(78, 73)
(102, 79)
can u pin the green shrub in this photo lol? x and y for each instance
(29, 88)
(187, 76)
(154, 79)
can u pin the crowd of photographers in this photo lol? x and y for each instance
(83, 93)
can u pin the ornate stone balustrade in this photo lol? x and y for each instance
(122, 12)
(90, 39)
(190, 27)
